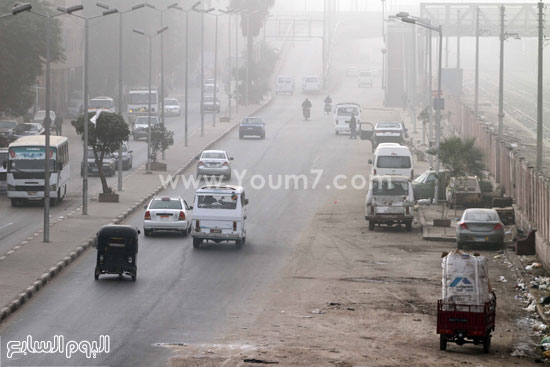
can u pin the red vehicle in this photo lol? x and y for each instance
(463, 324)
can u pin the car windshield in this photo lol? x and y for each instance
(8, 124)
(226, 201)
(312, 80)
(144, 120)
(142, 98)
(388, 125)
(468, 184)
(390, 187)
(23, 128)
(171, 102)
(101, 103)
(252, 121)
(213, 155)
(165, 204)
(347, 111)
(393, 161)
(481, 215)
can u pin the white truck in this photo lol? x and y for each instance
(138, 103)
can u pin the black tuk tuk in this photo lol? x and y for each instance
(117, 247)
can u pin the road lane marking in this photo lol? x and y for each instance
(6, 225)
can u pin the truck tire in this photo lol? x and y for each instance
(408, 226)
(371, 225)
(487, 343)
(197, 242)
(443, 342)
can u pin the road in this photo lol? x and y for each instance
(183, 295)
(19, 223)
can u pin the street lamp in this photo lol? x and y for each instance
(417, 21)
(202, 12)
(150, 37)
(85, 117)
(19, 8)
(47, 120)
(229, 12)
(186, 65)
(121, 13)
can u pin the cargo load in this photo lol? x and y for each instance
(465, 279)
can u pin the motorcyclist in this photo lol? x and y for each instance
(306, 106)
(328, 104)
(328, 100)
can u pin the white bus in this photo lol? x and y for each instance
(138, 103)
(25, 169)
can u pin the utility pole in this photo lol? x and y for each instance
(383, 43)
(438, 117)
(238, 97)
(539, 86)
(48, 121)
(458, 39)
(202, 74)
(119, 164)
(413, 79)
(500, 94)
(161, 77)
(476, 88)
(215, 73)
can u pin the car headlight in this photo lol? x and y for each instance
(131, 110)
(11, 187)
(52, 187)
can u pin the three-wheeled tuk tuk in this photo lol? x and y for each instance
(117, 247)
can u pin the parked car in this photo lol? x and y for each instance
(479, 226)
(209, 105)
(40, 115)
(7, 127)
(389, 201)
(26, 129)
(219, 215)
(214, 163)
(109, 165)
(141, 126)
(167, 214)
(284, 84)
(252, 126)
(424, 185)
(171, 107)
(342, 116)
(311, 84)
(388, 132)
(463, 191)
(127, 157)
(392, 159)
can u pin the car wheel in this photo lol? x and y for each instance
(336, 132)
(147, 232)
(371, 225)
(442, 342)
(96, 274)
(14, 203)
(197, 242)
(487, 343)
(239, 244)
(134, 275)
(262, 136)
(189, 230)
(241, 136)
(408, 226)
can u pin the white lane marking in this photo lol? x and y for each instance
(6, 225)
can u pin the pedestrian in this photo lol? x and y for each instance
(58, 122)
(353, 126)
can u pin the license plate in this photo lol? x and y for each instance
(164, 216)
(215, 231)
(31, 193)
(481, 239)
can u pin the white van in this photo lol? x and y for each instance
(284, 84)
(392, 159)
(342, 116)
(390, 200)
(219, 214)
(365, 79)
(311, 84)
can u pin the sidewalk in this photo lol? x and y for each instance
(28, 266)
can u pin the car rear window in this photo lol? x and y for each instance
(165, 204)
(390, 187)
(228, 202)
(213, 155)
(388, 125)
(391, 161)
(481, 216)
(347, 111)
(252, 121)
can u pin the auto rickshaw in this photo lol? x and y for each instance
(117, 247)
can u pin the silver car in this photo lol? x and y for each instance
(479, 226)
(214, 163)
(167, 214)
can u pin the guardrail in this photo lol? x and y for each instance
(518, 178)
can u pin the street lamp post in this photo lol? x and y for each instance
(16, 10)
(150, 37)
(121, 13)
(417, 21)
(228, 12)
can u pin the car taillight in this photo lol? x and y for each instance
(372, 210)
(463, 226)
(234, 226)
(182, 216)
(147, 215)
(407, 210)
(497, 227)
(226, 163)
(198, 225)
(375, 171)
(412, 174)
(201, 163)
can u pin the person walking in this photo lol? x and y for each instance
(353, 126)
(58, 122)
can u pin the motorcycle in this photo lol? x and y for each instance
(328, 108)
(306, 112)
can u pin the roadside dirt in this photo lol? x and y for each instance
(354, 297)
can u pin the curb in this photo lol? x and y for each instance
(48, 275)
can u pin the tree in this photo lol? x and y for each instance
(460, 156)
(105, 137)
(23, 40)
(259, 75)
(161, 139)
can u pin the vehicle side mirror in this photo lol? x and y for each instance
(197, 158)
(231, 158)
(370, 161)
(245, 201)
(145, 207)
(138, 231)
(191, 207)
(130, 151)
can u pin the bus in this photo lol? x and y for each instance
(138, 103)
(25, 169)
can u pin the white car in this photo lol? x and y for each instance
(219, 215)
(342, 116)
(167, 214)
(141, 127)
(284, 84)
(106, 104)
(214, 163)
(171, 107)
